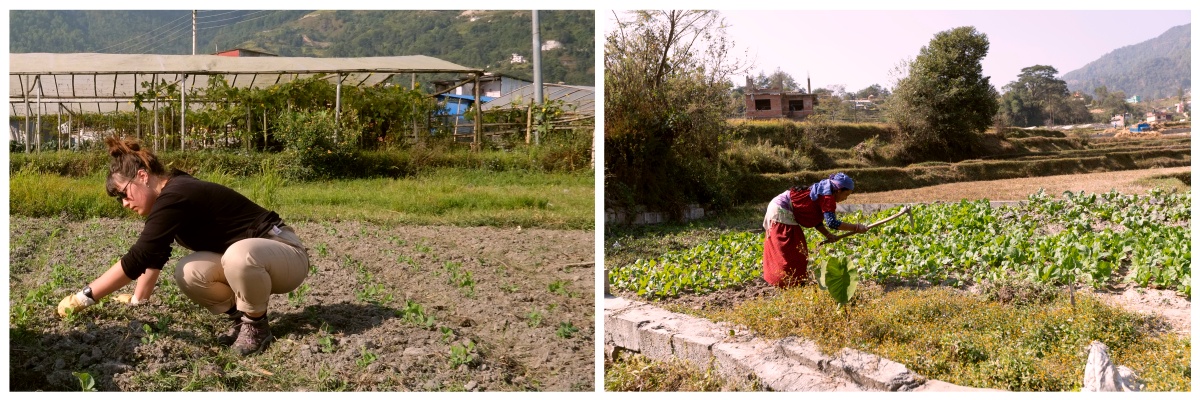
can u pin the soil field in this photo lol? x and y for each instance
(404, 308)
(1128, 182)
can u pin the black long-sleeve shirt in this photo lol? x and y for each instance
(200, 216)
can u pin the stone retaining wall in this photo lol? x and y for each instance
(789, 364)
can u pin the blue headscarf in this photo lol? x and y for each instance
(826, 187)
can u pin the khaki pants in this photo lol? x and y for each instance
(249, 272)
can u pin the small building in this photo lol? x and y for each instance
(239, 52)
(1157, 116)
(490, 85)
(1117, 121)
(770, 103)
(862, 104)
(1134, 100)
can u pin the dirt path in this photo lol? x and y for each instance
(1020, 188)
(385, 309)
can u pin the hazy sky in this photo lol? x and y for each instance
(861, 47)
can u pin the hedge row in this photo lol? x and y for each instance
(358, 164)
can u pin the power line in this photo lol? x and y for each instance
(201, 17)
(163, 35)
(168, 41)
(151, 42)
(142, 35)
(247, 20)
(201, 25)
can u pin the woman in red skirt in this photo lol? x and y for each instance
(785, 251)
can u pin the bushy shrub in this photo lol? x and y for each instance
(310, 144)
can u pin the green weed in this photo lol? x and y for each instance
(566, 330)
(559, 287)
(326, 344)
(460, 278)
(414, 313)
(150, 334)
(86, 382)
(365, 358)
(534, 318)
(641, 374)
(296, 297)
(462, 355)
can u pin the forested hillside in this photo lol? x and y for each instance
(482, 39)
(1153, 69)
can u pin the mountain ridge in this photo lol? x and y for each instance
(481, 39)
(1154, 69)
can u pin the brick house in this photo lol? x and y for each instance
(775, 102)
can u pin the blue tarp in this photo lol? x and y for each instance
(457, 104)
(1140, 128)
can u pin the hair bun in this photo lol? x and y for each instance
(118, 147)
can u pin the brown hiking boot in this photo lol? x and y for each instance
(253, 336)
(227, 338)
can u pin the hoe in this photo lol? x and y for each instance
(905, 210)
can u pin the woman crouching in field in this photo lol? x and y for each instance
(785, 250)
(242, 253)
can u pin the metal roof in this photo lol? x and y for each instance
(583, 97)
(106, 82)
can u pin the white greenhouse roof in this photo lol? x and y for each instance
(91, 82)
(582, 97)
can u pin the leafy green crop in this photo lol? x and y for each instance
(730, 260)
(1078, 239)
(836, 276)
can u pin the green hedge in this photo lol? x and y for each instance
(357, 164)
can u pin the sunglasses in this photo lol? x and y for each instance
(121, 194)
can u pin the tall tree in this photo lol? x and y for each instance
(876, 90)
(945, 101)
(1041, 95)
(779, 80)
(667, 80)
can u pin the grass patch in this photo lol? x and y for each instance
(36, 194)
(966, 340)
(1181, 182)
(444, 197)
(636, 373)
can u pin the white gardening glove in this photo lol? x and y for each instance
(129, 299)
(74, 303)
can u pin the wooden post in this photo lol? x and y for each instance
(337, 108)
(478, 144)
(137, 108)
(182, 111)
(157, 135)
(39, 114)
(528, 123)
(28, 111)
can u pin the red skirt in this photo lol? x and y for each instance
(785, 256)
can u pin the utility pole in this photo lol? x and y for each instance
(537, 70)
(193, 32)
